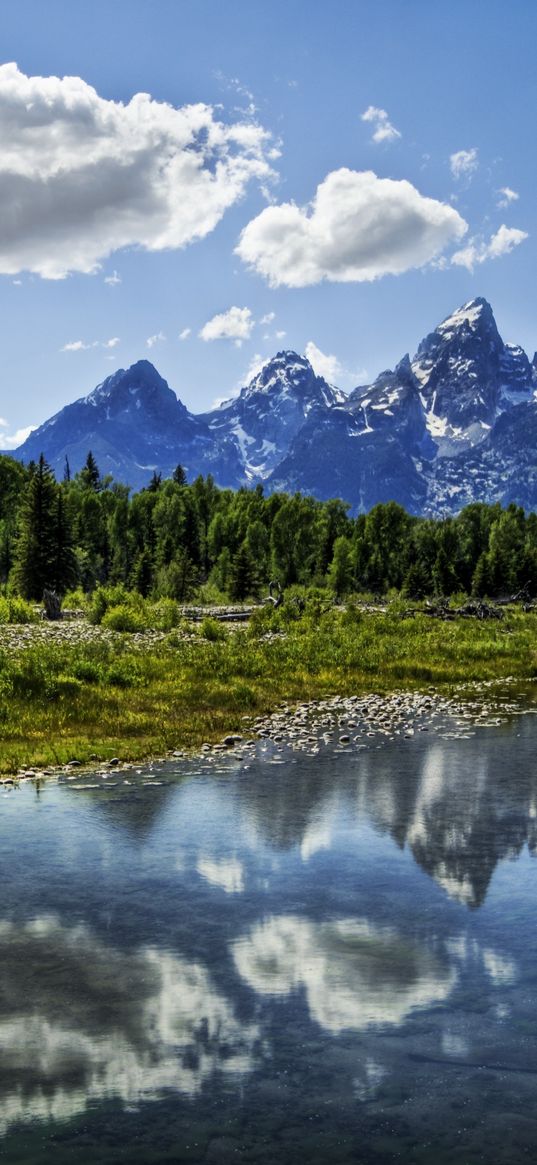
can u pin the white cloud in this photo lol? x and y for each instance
(280, 335)
(331, 368)
(113, 279)
(324, 365)
(235, 324)
(507, 196)
(186, 332)
(84, 176)
(337, 964)
(270, 316)
(76, 346)
(501, 243)
(13, 440)
(463, 163)
(227, 873)
(357, 228)
(383, 130)
(256, 364)
(82, 346)
(156, 339)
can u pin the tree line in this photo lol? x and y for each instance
(173, 537)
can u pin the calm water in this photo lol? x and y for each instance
(304, 959)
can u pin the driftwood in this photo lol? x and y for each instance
(221, 614)
(52, 606)
(277, 599)
(474, 609)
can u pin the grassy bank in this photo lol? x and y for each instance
(98, 699)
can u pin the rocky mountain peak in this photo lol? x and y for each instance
(139, 387)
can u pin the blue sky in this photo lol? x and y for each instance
(128, 226)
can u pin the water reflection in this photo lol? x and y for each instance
(453, 804)
(354, 974)
(82, 1021)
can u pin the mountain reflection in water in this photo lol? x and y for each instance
(199, 941)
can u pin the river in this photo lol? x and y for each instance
(280, 957)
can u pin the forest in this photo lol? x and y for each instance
(179, 540)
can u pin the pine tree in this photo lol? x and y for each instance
(179, 475)
(35, 555)
(90, 477)
(244, 578)
(65, 570)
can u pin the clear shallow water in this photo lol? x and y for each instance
(325, 958)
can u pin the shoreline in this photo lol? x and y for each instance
(343, 723)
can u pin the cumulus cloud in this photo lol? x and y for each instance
(81, 176)
(463, 163)
(331, 368)
(13, 440)
(235, 324)
(507, 196)
(337, 964)
(185, 333)
(501, 243)
(113, 279)
(383, 130)
(268, 318)
(357, 228)
(112, 343)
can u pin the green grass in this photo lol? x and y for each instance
(96, 700)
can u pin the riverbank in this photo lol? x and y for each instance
(91, 695)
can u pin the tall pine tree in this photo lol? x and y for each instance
(35, 556)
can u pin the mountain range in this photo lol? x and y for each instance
(456, 423)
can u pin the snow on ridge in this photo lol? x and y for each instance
(469, 313)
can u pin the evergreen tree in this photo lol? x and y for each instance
(89, 476)
(179, 475)
(36, 553)
(65, 571)
(142, 574)
(244, 578)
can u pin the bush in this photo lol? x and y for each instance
(212, 630)
(123, 618)
(75, 600)
(16, 610)
(106, 597)
(163, 615)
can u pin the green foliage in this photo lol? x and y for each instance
(212, 630)
(178, 542)
(124, 617)
(16, 610)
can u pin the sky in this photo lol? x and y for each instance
(203, 184)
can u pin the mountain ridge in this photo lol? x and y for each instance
(456, 422)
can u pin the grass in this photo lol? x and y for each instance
(99, 699)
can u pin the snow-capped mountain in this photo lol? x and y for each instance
(270, 411)
(134, 425)
(456, 423)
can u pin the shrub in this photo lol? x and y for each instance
(16, 610)
(212, 630)
(106, 597)
(123, 618)
(163, 615)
